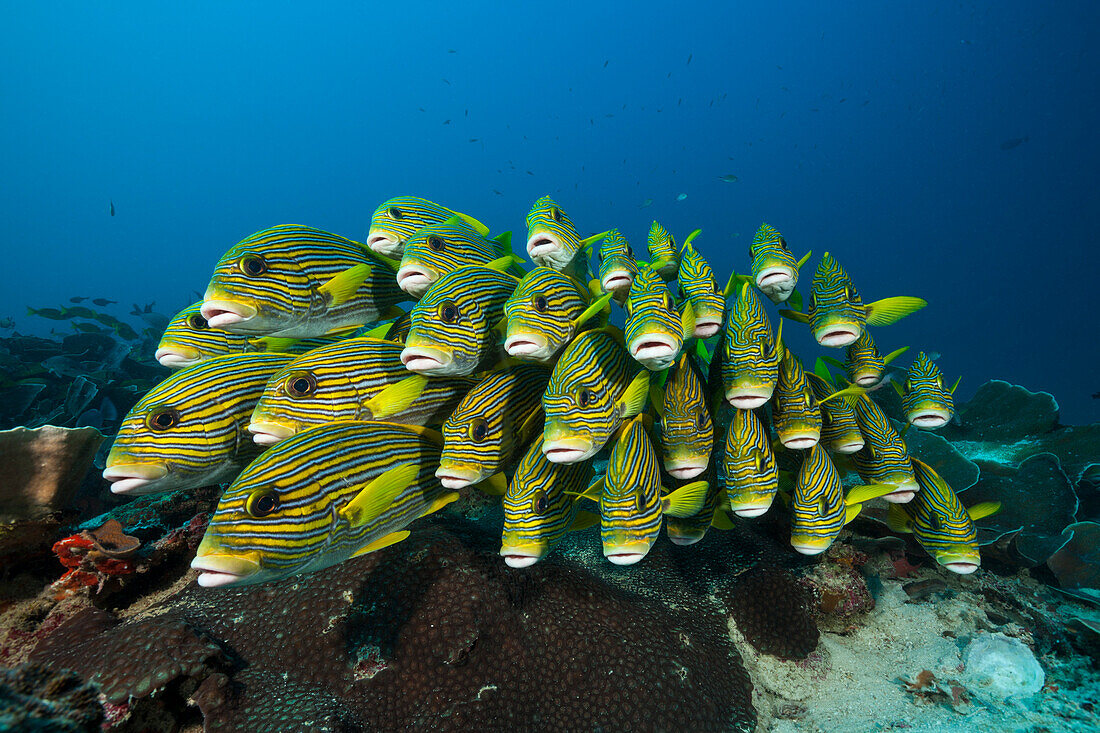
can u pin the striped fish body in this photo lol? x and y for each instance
(582, 400)
(818, 511)
(189, 339)
(552, 240)
(298, 282)
(839, 427)
(837, 313)
(698, 285)
(940, 522)
(437, 249)
(864, 365)
(399, 329)
(455, 325)
(540, 505)
(662, 252)
(189, 430)
(617, 266)
(926, 402)
(750, 359)
(774, 268)
(796, 416)
(293, 510)
(630, 503)
(493, 422)
(748, 465)
(687, 431)
(884, 458)
(689, 530)
(654, 331)
(398, 219)
(342, 382)
(540, 315)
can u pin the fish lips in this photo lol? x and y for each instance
(427, 359)
(749, 398)
(568, 450)
(177, 357)
(522, 556)
(904, 493)
(134, 478)
(226, 314)
(846, 446)
(960, 566)
(617, 282)
(837, 334)
(453, 476)
(627, 554)
(809, 546)
(777, 279)
(751, 510)
(868, 379)
(269, 433)
(416, 279)
(385, 242)
(929, 419)
(655, 351)
(217, 570)
(800, 440)
(705, 328)
(527, 346)
(685, 468)
(544, 246)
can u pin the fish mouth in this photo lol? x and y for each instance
(962, 567)
(807, 547)
(751, 510)
(384, 243)
(868, 379)
(523, 344)
(456, 477)
(269, 433)
(654, 349)
(801, 441)
(131, 478)
(748, 398)
(218, 570)
(516, 556)
(929, 419)
(837, 335)
(903, 494)
(222, 313)
(541, 244)
(567, 450)
(685, 468)
(683, 539)
(774, 277)
(616, 281)
(626, 554)
(177, 357)
(705, 328)
(415, 280)
(849, 445)
(425, 359)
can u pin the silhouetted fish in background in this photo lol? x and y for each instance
(112, 208)
(1014, 142)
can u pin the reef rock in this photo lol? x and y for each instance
(33, 698)
(1000, 667)
(1000, 411)
(1076, 564)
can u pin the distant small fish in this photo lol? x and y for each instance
(498, 193)
(646, 204)
(451, 50)
(681, 197)
(473, 140)
(78, 299)
(1096, 395)
(446, 122)
(446, 82)
(112, 208)
(102, 302)
(1014, 142)
(530, 173)
(689, 59)
(728, 178)
(605, 63)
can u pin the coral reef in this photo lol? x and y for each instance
(33, 698)
(1000, 411)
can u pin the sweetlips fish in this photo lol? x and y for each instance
(774, 268)
(750, 354)
(296, 281)
(839, 427)
(617, 265)
(594, 389)
(689, 530)
(662, 252)
(400, 217)
(942, 526)
(819, 507)
(864, 365)
(541, 506)
(457, 325)
(545, 312)
(884, 458)
(552, 240)
(326, 495)
(189, 339)
(360, 378)
(440, 248)
(796, 416)
(687, 431)
(631, 504)
(837, 315)
(655, 327)
(925, 401)
(189, 430)
(749, 466)
(493, 422)
(699, 287)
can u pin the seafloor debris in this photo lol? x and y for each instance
(1000, 667)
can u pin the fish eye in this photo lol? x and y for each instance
(197, 322)
(479, 428)
(586, 397)
(540, 504)
(639, 500)
(783, 244)
(822, 506)
(448, 312)
(436, 244)
(630, 251)
(939, 382)
(541, 304)
(163, 418)
(300, 385)
(669, 302)
(759, 461)
(253, 265)
(555, 214)
(825, 419)
(396, 213)
(701, 419)
(262, 503)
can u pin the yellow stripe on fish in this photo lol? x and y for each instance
(687, 431)
(750, 357)
(398, 218)
(748, 465)
(655, 327)
(926, 402)
(545, 312)
(437, 249)
(884, 458)
(662, 252)
(699, 287)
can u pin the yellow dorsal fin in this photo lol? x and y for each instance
(379, 331)
(985, 509)
(379, 494)
(898, 389)
(657, 399)
(851, 390)
(342, 286)
(586, 244)
(439, 502)
(432, 436)
(803, 261)
(955, 385)
(396, 397)
(477, 225)
(686, 501)
(633, 400)
(866, 492)
(895, 354)
(385, 541)
(852, 512)
(688, 240)
(495, 485)
(687, 320)
(592, 493)
(891, 310)
(501, 264)
(794, 315)
(721, 520)
(592, 311)
(584, 520)
(779, 334)
(898, 520)
(734, 281)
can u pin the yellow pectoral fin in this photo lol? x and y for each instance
(891, 310)
(379, 494)
(686, 501)
(898, 520)
(477, 225)
(379, 331)
(495, 485)
(687, 320)
(584, 520)
(275, 344)
(587, 244)
(385, 541)
(860, 494)
(898, 389)
(804, 260)
(850, 391)
(688, 240)
(341, 287)
(501, 264)
(439, 502)
(955, 385)
(633, 401)
(985, 509)
(721, 520)
(593, 492)
(895, 354)
(794, 315)
(396, 397)
(592, 311)
(852, 512)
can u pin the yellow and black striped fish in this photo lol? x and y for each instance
(457, 326)
(864, 365)
(328, 494)
(541, 505)
(493, 422)
(774, 268)
(689, 530)
(924, 399)
(662, 252)
(839, 427)
(750, 353)
(297, 282)
(398, 218)
(748, 465)
(884, 458)
(700, 288)
(796, 415)
(687, 431)
(594, 388)
(189, 430)
(545, 312)
(942, 526)
(655, 328)
(552, 240)
(617, 266)
(837, 315)
(437, 249)
(360, 378)
(819, 508)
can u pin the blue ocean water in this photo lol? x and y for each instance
(946, 150)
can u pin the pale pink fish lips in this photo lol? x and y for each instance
(654, 350)
(131, 478)
(177, 356)
(929, 419)
(217, 570)
(385, 242)
(543, 245)
(525, 344)
(454, 476)
(265, 432)
(567, 450)
(426, 359)
(415, 279)
(516, 556)
(837, 335)
(749, 398)
(226, 313)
